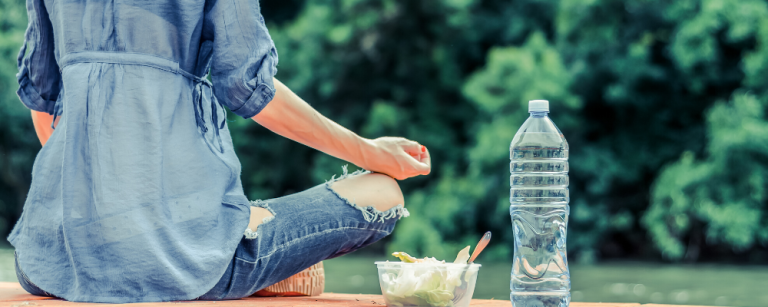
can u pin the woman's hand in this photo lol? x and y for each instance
(397, 157)
(42, 123)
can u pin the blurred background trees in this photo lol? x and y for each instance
(18, 146)
(662, 101)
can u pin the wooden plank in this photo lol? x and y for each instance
(326, 299)
(12, 295)
(13, 292)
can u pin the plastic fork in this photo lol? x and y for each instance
(459, 294)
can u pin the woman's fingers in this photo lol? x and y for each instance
(426, 159)
(401, 158)
(415, 151)
(412, 148)
(420, 162)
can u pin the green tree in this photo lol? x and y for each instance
(630, 82)
(721, 198)
(718, 201)
(636, 80)
(18, 141)
(662, 102)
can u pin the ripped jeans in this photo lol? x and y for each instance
(307, 227)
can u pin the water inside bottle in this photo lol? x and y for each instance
(539, 210)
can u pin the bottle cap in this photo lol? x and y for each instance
(538, 106)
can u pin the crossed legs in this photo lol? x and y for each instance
(372, 189)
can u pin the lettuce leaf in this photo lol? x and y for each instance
(463, 256)
(422, 285)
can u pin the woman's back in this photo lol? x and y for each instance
(137, 194)
(166, 29)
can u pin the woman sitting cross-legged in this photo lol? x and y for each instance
(136, 195)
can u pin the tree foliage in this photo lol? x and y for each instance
(717, 199)
(18, 142)
(662, 101)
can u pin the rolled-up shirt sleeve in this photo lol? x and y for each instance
(244, 58)
(39, 77)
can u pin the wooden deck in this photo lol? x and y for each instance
(12, 295)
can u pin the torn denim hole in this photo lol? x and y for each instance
(370, 214)
(250, 234)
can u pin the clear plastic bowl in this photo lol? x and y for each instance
(427, 284)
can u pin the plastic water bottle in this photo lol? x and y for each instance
(539, 210)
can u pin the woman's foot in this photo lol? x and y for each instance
(309, 282)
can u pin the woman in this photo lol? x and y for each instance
(136, 196)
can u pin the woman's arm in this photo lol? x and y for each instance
(290, 116)
(42, 122)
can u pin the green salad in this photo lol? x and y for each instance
(424, 282)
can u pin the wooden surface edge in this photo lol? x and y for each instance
(12, 295)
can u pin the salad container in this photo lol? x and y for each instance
(427, 284)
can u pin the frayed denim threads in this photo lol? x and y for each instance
(370, 214)
(250, 234)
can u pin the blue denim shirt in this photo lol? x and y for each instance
(137, 194)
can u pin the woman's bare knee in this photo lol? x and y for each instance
(258, 216)
(377, 190)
